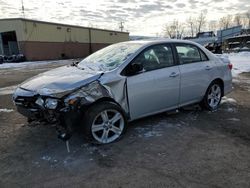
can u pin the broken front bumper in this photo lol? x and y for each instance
(64, 118)
(29, 113)
(27, 106)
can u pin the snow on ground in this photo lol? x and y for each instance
(6, 110)
(228, 100)
(157, 130)
(229, 104)
(33, 63)
(147, 132)
(240, 61)
(233, 119)
(7, 90)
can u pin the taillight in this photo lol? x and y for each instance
(230, 66)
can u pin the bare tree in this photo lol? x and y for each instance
(169, 31)
(237, 19)
(191, 23)
(200, 22)
(248, 18)
(212, 25)
(174, 30)
(226, 22)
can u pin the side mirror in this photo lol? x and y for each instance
(134, 68)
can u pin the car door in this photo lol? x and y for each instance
(196, 72)
(156, 88)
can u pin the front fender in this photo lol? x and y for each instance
(96, 91)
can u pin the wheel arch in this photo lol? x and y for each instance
(104, 99)
(203, 102)
(92, 111)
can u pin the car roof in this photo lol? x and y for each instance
(160, 41)
(147, 43)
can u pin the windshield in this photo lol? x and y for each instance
(109, 58)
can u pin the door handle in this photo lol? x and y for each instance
(208, 68)
(174, 74)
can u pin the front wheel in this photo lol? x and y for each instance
(104, 123)
(212, 97)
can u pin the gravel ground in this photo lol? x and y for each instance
(189, 148)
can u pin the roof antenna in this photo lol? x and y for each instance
(23, 9)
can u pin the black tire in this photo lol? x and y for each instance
(94, 114)
(206, 103)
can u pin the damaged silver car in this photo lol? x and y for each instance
(121, 83)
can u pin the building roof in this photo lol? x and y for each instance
(60, 24)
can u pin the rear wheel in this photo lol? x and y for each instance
(104, 123)
(212, 97)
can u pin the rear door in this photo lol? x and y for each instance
(157, 87)
(196, 72)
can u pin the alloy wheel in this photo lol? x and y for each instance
(214, 96)
(107, 126)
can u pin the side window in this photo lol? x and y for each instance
(189, 53)
(203, 56)
(155, 57)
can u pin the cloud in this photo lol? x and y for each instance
(147, 8)
(193, 2)
(172, 1)
(126, 1)
(180, 5)
(216, 1)
(140, 16)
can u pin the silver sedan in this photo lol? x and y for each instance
(124, 82)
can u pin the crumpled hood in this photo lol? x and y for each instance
(60, 80)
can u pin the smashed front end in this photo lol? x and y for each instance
(47, 109)
(35, 106)
(65, 110)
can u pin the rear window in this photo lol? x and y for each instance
(189, 53)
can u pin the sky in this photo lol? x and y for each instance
(140, 17)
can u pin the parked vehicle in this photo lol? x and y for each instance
(124, 82)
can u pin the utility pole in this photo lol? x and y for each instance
(23, 12)
(23, 9)
(121, 26)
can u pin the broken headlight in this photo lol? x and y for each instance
(40, 102)
(51, 103)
